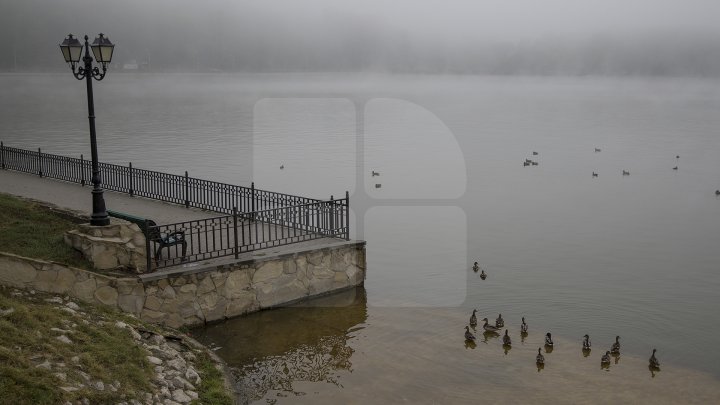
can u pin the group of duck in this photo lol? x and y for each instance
(654, 364)
(530, 162)
(476, 268)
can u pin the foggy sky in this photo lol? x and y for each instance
(429, 36)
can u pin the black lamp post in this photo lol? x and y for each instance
(102, 48)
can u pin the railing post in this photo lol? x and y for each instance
(146, 231)
(252, 200)
(2, 155)
(347, 215)
(331, 217)
(39, 163)
(82, 170)
(130, 180)
(235, 230)
(187, 190)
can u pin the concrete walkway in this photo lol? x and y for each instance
(77, 198)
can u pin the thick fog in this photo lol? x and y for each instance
(576, 37)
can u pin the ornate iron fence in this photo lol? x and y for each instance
(184, 190)
(248, 231)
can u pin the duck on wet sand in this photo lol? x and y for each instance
(615, 349)
(499, 322)
(506, 339)
(473, 318)
(586, 342)
(468, 335)
(489, 328)
(539, 359)
(605, 359)
(548, 340)
(476, 267)
(483, 275)
(523, 326)
(654, 363)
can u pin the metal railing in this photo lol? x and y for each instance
(258, 219)
(231, 235)
(173, 188)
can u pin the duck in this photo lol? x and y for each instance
(473, 318)
(535, 163)
(717, 192)
(468, 335)
(605, 359)
(282, 167)
(654, 363)
(483, 275)
(595, 174)
(539, 359)
(586, 342)
(489, 328)
(626, 173)
(374, 173)
(597, 149)
(548, 340)
(526, 163)
(675, 168)
(378, 185)
(535, 153)
(615, 349)
(523, 326)
(499, 322)
(506, 339)
(476, 267)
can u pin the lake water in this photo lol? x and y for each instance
(636, 256)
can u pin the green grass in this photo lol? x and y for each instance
(32, 230)
(211, 390)
(104, 351)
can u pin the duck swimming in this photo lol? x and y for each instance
(473, 318)
(615, 349)
(539, 359)
(374, 173)
(468, 335)
(483, 275)
(548, 340)
(476, 267)
(654, 363)
(595, 174)
(626, 173)
(489, 328)
(605, 359)
(523, 326)
(586, 342)
(499, 322)
(506, 339)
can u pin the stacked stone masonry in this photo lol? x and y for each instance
(211, 294)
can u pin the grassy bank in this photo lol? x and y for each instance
(32, 230)
(51, 353)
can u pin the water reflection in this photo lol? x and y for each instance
(487, 335)
(586, 352)
(653, 370)
(272, 350)
(616, 357)
(470, 344)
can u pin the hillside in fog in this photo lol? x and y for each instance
(563, 37)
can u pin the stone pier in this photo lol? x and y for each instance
(198, 293)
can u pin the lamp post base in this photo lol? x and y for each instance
(99, 216)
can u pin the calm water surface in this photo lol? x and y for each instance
(635, 256)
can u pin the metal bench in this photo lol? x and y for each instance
(149, 228)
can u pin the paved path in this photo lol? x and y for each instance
(77, 198)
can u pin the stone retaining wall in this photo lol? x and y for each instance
(193, 297)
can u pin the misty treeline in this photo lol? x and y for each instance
(222, 36)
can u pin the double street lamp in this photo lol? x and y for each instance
(102, 48)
